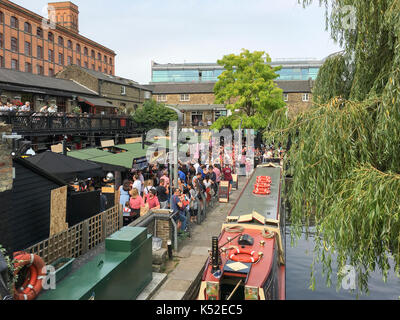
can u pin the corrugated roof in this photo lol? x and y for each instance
(37, 81)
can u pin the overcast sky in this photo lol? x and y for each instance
(177, 31)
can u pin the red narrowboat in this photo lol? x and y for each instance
(247, 260)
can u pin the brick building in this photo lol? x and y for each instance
(122, 93)
(196, 100)
(190, 87)
(30, 43)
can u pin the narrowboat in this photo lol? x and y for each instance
(247, 260)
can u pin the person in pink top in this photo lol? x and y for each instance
(217, 174)
(152, 200)
(136, 202)
(165, 177)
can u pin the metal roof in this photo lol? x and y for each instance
(208, 87)
(96, 102)
(35, 81)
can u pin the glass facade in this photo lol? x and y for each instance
(298, 73)
(185, 75)
(301, 73)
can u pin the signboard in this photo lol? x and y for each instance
(107, 143)
(108, 189)
(235, 182)
(224, 191)
(58, 148)
(133, 140)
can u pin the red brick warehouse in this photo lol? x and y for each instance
(29, 43)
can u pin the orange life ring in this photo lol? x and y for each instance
(33, 284)
(262, 185)
(261, 191)
(253, 256)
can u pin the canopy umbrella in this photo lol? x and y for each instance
(66, 168)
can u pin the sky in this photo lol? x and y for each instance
(178, 31)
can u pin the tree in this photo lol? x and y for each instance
(247, 86)
(154, 115)
(345, 151)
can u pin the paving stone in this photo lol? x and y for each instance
(169, 295)
(153, 286)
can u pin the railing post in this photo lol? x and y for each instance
(85, 236)
(104, 226)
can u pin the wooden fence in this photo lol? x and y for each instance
(80, 238)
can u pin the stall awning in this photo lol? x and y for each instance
(96, 102)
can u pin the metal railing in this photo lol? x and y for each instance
(36, 122)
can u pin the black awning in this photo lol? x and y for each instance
(66, 168)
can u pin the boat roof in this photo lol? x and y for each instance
(267, 206)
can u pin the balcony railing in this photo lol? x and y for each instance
(33, 122)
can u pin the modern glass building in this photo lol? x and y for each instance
(208, 72)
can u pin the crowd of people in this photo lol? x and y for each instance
(17, 106)
(197, 184)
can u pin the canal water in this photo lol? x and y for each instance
(298, 274)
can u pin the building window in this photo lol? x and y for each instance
(27, 27)
(1, 40)
(111, 61)
(39, 52)
(1, 62)
(78, 62)
(197, 118)
(93, 54)
(78, 48)
(185, 97)
(99, 56)
(28, 67)
(14, 44)
(162, 98)
(123, 90)
(14, 64)
(51, 72)
(1, 17)
(39, 69)
(61, 41)
(39, 32)
(69, 60)
(105, 59)
(28, 50)
(14, 22)
(305, 97)
(69, 44)
(285, 97)
(61, 58)
(86, 65)
(50, 37)
(51, 55)
(85, 51)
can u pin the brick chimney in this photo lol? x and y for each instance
(66, 14)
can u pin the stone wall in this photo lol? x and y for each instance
(6, 171)
(194, 98)
(296, 103)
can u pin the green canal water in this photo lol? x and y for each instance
(298, 263)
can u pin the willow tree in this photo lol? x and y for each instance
(248, 90)
(345, 150)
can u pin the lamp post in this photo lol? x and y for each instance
(174, 143)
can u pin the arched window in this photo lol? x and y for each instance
(60, 41)
(27, 27)
(69, 44)
(111, 61)
(78, 48)
(85, 51)
(51, 37)
(14, 22)
(39, 32)
(105, 60)
(93, 54)
(99, 56)
(1, 17)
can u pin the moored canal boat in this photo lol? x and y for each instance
(247, 260)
